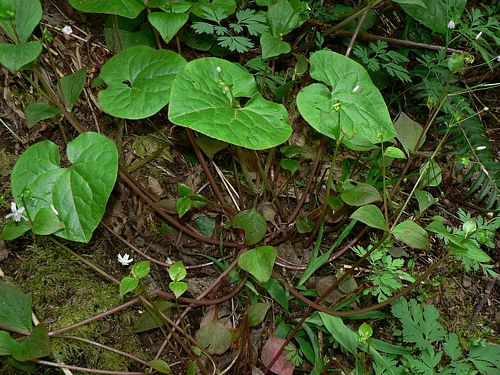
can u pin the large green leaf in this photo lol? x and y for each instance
(15, 56)
(437, 13)
(28, 14)
(205, 98)
(168, 24)
(346, 104)
(15, 308)
(273, 46)
(139, 81)
(79, 193)
(125, 8)
(32, 347)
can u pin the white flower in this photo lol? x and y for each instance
(451, 24)
(479, 35)
(17, 213)
(67, 30)
(356, 89)
(219, 69)
(498, 58)
(125, 260)
(485, 172)
(479, 148)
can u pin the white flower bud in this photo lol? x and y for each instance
(219, 69)
(479, 35)
(451, 24)
(67, 30)
(479, 148)
(356, 89)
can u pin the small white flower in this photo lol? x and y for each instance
(498, 58)
(67, 30)
(54, 210)
(485, 172)
(356, 89)
(479, 35)
(125, 260)
(17, 213)
(486, 109)
(219, 69)
(479, 148)
(451, 24)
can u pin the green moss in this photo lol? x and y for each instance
(66, 292)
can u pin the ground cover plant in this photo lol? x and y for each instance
(249, 187)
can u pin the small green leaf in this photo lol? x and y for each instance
(424, 199)
(139, 80)
(256, 313)
(409, 132)
(178, 288)
(46, 222)
(253, 223)
(141, 269)
(456, 62)
(394, 152)
(149, 319)
(128, 284)
(258, 262)
(184, 190)
(210, 146)
(304, 225)
(371, 216)
(215, 337)
(365, 331)
(183, 205)
(205, 225)
(160, 365)
(431, 174)
(37, 112)
(359, 194)
(273, 46)
(15, 308)
(13, 230)
(290, 165)
(15, 56)
(167, 24)
(412, 234)
(71, 86)
(292, 151)
(177, 271)
(125, 8)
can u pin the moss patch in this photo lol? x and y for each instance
(66, 292)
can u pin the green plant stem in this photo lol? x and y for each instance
(384, 189)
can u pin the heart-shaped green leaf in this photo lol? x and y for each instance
(125, 8)
(359, 194)
(128, 284)
(139, 81)
(28, 14)
(273, 46)
(168, 24)
(79, 193)
(258, 262)
(347, 104)
(205, 98)
(15, 56)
